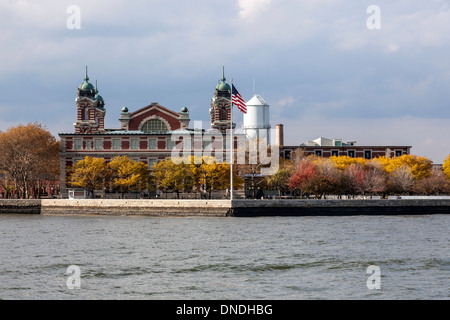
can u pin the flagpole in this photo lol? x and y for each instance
(231, 144)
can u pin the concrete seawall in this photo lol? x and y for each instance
(251, 208)
(224, 208)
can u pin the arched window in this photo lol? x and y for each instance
(154, 125)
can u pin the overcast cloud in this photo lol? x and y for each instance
(316, 63)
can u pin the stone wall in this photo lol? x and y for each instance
(224, 208)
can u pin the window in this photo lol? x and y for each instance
(154, 125)
(152, 144)
(318, 153)
(351, 153)
(77, 144)
(85, 113)
(134, 144)
(398, 153)
(151, 163)
(368, 154)
(187, 143)
(88, 144)
(223, 114)
(170, 144)
(335, 153)
(98, 144)
(117, 144)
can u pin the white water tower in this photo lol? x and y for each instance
(257, 119)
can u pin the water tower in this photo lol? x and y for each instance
(257, 119)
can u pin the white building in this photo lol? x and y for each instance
(257, 119)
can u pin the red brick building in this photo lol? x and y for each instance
(144, 135)
(326, 148)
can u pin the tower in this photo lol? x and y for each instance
(90, 109)
(257, 119)
(220, 111)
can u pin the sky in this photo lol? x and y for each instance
(321, 65)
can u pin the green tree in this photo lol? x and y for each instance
(280, 180)
(89, 174)
(128, 175)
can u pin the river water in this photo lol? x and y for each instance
(276, 258)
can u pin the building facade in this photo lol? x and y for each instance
(148, 135)
(324, 147)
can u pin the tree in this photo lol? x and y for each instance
(343, 162)
(89, 174)
(128, 175)
(446, 166)
(302, 174)
(210, 176)
(401, 180)
(29, 154)
(170, 176)
(370, 179)
(280, 180)
(435, 184)
(420, 167)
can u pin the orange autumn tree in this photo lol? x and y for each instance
(29, 155)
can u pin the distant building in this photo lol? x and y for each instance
(324, 147)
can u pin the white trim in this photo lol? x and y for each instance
(168, 112)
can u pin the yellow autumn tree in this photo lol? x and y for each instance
(209, 176)
(89, 174)
(446, 166)
(128, 175)
(344, 162)
(170, 176)
(420, 167)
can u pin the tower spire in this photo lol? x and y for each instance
(96, 90)
(223, 74)
(86, 78)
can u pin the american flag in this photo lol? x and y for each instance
(237, 99)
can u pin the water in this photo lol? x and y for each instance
(224, 258)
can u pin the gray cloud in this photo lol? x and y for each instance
(309, 58)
